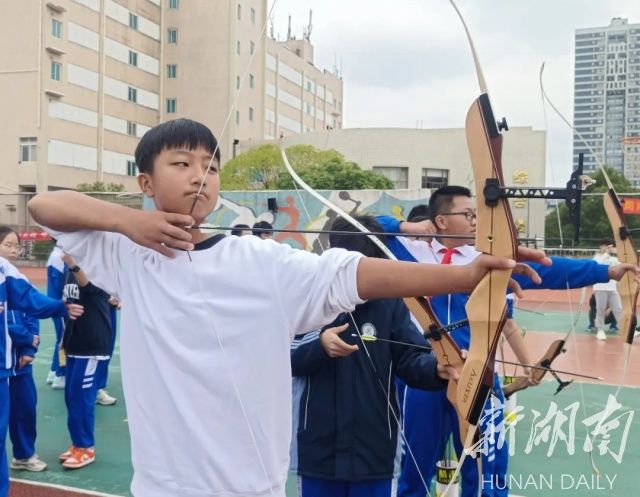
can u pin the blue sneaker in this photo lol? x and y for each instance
(613, 328)
(590, 328)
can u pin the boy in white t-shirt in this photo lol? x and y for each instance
(209, 320)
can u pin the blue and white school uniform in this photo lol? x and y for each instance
(15, 293)
(22, 388)
(55, 284)
(87, 342)
(428, 440)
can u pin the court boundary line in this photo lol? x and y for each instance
(63, 488)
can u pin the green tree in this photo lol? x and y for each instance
(262, 168)
(594, 224)
(100, 186)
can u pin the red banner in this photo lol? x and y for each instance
(34, 236)
(631, 205)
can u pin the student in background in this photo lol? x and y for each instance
(86, 343)
(55, 284)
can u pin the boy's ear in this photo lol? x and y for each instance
(145, 184)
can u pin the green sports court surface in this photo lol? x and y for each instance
(536, 470)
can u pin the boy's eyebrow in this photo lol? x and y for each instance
(190, 153)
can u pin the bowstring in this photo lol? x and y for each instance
(546, 98)
(391, 256)
(217, 334)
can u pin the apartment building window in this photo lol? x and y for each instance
(132, 169)
(172, 36)
(237, 117)
(173, 4)
(56, 70)
(172, 105)
(133, 58)
(132, 95)
(398, 175)
(309, 109)
(434, 178)
(251, 114)
(28, 147)
(252, 81)
(238, 47)
(56, 28)
(252, 48)
(237, 82)
(133, 21)
(253, 15)
(132, 128)
(172, 71)
(239, 12)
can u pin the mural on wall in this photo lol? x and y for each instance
(297, 210)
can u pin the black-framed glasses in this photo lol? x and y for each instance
(469, 216)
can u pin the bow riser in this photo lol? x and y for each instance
(495, 234)
(626, 252)
(486, 320)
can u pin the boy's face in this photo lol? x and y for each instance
(460, 219)
(175, 181)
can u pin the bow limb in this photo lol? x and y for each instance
(626, 253)
(556, 348)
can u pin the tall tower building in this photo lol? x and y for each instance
(607, 97)
(83, 80)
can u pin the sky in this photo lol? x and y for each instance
(407, 63)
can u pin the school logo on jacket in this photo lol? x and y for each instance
(71, 292)
(368, 331)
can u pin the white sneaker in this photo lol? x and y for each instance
(50, 377)
(58, 383)
(104, 399)
(32, 464)
(601, 335)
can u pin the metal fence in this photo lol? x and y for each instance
(36, 246)
(14, 213)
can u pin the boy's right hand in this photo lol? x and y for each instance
(74, 310)
(333, 345)
(158, 230)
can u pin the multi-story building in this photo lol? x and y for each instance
(607, 97)
(84, 79)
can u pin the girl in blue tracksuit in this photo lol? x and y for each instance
(24, 332)
(19, 296)
(428, 440)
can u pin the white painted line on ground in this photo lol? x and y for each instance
(65, 488)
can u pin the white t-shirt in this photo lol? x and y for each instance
(205, 354)
(609, 260)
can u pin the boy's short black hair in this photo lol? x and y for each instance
(239, 228)
(174, 134)
(441, 200)
(606, 241)
(262, 226)
(421, 211)
(357, 243)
